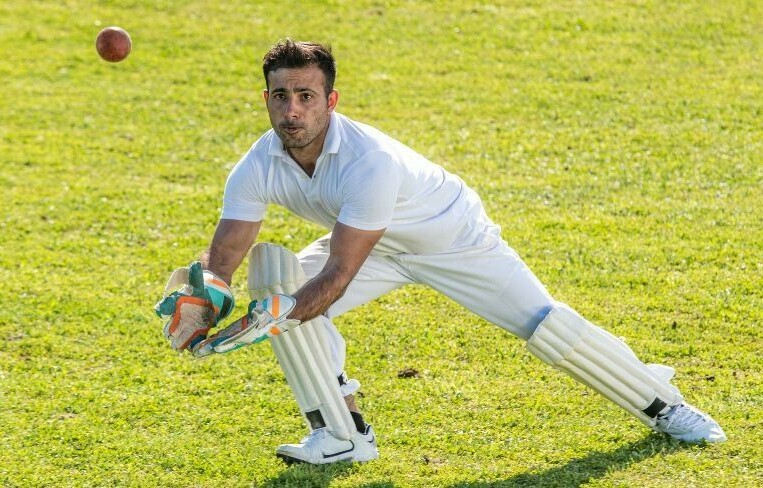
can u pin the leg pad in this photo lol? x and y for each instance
(303, 351)
(570, 343)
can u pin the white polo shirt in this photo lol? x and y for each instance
(364, 179)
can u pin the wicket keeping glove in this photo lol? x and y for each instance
(194, 301)
(265, 319)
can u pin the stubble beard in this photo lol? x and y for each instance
(304, 137)
(291, 142)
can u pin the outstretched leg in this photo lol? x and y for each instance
(492, 281)
(598, 359)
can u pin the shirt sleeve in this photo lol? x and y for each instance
(370, 192)
(241, 199)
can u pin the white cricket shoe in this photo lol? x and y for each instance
(688, 424)
(320, 447)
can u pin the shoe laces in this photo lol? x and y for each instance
(683, 416)
(314, 436)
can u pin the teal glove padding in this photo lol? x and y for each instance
(168, 304)
(201, 300)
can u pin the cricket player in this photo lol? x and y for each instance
(393, 218)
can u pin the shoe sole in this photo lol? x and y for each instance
(700, 439)
(289, 460)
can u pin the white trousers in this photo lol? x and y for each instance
(487, 277)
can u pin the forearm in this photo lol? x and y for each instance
(221, 263)
(231, 242)
(349, 249)
(317, 295)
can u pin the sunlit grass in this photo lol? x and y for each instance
(617, 143)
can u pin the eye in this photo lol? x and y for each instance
(307, 97)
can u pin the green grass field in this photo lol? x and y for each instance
(618, 143)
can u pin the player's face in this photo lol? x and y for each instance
(299, 108)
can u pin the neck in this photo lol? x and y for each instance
(305, 159)
(307, 156)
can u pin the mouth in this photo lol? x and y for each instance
(291, 129)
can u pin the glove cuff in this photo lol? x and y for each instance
(220, 294)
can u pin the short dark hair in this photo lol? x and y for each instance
(288, 53)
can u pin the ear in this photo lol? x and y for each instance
(265, 95)
(333, 100)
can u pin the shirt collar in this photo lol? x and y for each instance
(333, 136)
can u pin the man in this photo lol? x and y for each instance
(396, 218)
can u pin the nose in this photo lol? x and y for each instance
(290, 108)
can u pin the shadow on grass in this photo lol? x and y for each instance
(582, 470)
(575, 473)
(311, 476)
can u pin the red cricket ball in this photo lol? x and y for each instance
(113, 44)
